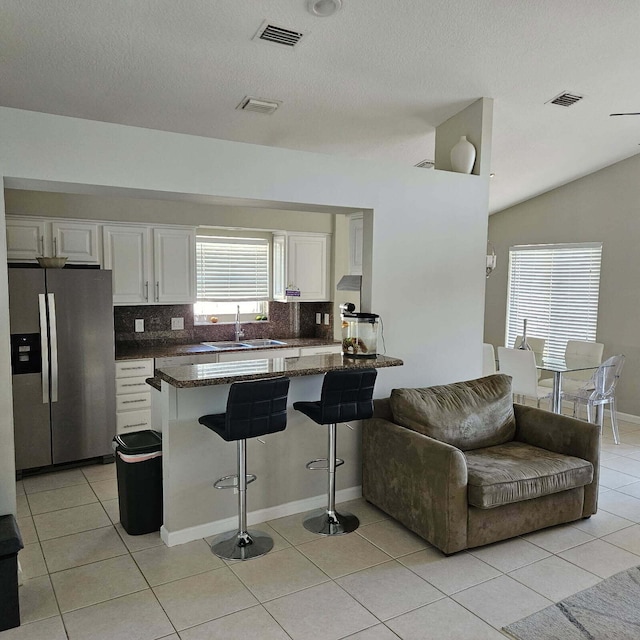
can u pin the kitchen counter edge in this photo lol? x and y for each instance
(204, 375)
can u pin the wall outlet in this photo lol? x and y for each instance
(318, 318)
(139, 325)
(177, 323)
(326, 318)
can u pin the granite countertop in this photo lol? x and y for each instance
(169, 350)
(204, 375)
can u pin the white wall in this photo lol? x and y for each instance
(601, 207)
(429, 231)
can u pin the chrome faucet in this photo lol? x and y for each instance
(239, 331)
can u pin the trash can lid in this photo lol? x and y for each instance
(139, 442)
(10, 538)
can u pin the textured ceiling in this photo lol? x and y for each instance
(372, 81)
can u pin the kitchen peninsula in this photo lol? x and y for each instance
(193, 458)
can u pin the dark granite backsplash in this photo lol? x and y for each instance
(286, 320)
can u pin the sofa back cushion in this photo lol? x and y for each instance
(468, 415)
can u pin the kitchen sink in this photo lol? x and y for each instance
(227, 345)
(264, 343)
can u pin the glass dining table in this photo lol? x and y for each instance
(558, 367)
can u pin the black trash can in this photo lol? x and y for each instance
(139, 470)
(10, 544)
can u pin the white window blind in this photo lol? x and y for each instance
(232, 269)
(555, 287)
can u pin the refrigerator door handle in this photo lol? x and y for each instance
(44, 348)
(54, 346)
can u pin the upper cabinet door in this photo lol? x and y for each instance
(78, 241)
(174, 253)
(279, 267)
(308, 266)
(25, 239)
(126, 253)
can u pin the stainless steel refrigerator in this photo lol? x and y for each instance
(62, 361)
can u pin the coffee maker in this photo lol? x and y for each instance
(359, 332)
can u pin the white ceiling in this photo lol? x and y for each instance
(372, 81)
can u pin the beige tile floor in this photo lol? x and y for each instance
(85, 578)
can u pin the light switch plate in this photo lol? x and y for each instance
(318, 318)
(177, 323)
(139, 325)
(326, 318)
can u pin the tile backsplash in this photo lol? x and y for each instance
(286, 320)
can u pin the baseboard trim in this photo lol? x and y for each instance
(172, 538)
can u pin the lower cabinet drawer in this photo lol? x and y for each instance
(132, 385)
(133, 420)
(133, 401)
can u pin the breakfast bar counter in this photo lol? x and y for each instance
(193, 457)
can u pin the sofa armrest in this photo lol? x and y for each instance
(566, 435)
(419, 481)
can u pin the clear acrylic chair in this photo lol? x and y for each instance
(520, 364)
(600, 391)
(578, 353)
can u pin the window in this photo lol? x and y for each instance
(555, 287)
(231, 272)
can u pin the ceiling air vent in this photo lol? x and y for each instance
(425, 164)
(565, 99)
(278, 35)
(258, 105)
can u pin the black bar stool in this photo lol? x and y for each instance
(346, 395)
(254, 409)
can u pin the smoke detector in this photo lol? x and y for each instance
(324, 8)
(258, 105)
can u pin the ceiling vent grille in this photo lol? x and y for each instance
(425, 164)
(275, 34)
(566, 99)
(258, 105)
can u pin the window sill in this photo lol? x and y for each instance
(228, 322)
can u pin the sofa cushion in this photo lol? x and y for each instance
(516, 471)
(468, 415)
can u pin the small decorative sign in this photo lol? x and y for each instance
(292, 293)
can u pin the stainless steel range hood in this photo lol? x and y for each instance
(349, 283)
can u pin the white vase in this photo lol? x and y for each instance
(463, 155)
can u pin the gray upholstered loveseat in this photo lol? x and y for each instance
(462, 466)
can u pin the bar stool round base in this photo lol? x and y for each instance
(235, 546)
(331, 524)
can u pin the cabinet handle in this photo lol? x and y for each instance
(132, 368)
(158, 291)
(42, 245)
(55, 247)
(146, 291)
(135, 384)
(130, 401)
(130, 426)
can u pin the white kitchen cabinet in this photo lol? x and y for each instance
(174, 260)
(133, 395)
(150, 264)
(301, 261)
(356, 226)
(127, 253)
(325, 349)
(258, 354)
(29, 237)
(79, 242)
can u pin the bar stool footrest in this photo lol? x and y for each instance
(325, 467)
(221, 483)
